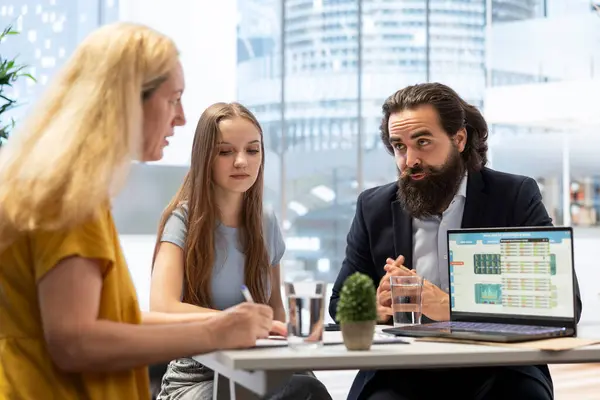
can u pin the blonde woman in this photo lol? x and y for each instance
(70, 324)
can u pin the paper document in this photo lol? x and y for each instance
(330, 338)
(554, 344)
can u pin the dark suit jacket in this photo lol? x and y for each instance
(382, 229)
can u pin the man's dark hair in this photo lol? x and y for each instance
(454, 114)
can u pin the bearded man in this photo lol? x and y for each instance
(439, 143)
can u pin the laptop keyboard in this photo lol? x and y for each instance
(494, 327)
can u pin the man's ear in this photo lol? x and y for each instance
(460, 139)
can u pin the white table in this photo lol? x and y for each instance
(249, 374)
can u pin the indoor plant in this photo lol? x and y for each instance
(10, 71)
(357, 312)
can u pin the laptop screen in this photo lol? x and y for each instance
(510, 272)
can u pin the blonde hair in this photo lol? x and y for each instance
(77, 143)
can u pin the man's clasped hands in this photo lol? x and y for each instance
(434, 300)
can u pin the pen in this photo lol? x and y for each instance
(247, 294)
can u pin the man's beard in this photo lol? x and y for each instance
(431, 195)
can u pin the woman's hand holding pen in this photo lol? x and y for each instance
(241, 325)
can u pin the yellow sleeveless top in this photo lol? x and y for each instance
(26, 369)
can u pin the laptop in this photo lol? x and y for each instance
(507, 285)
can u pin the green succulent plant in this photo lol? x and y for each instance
(358, 300)
(10, 71)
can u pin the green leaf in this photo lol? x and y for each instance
(10, 72)
(28, 75)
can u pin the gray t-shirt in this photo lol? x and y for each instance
(228, 269)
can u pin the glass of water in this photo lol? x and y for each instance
(306, 313)
(406, 299)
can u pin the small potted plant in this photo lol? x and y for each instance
(357, 312)
(10, 72)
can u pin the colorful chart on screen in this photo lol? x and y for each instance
(512, 272)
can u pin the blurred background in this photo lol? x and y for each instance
(316, 73)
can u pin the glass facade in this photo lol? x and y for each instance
(316, 73)
(49, 32)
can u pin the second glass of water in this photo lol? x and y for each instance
(406, 294)
(306, 313)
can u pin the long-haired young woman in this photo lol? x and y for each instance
(214, 237)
